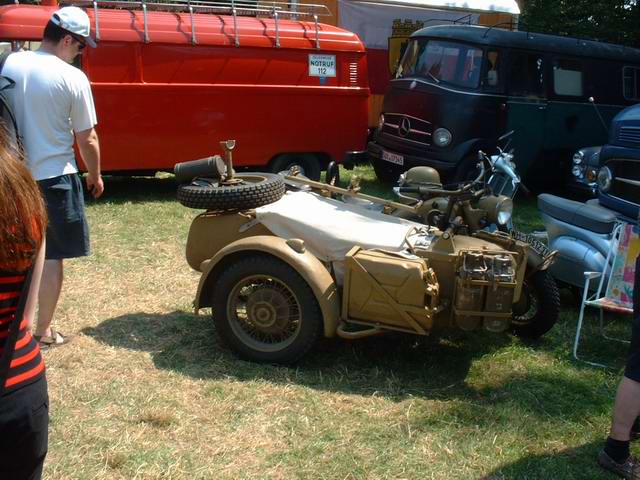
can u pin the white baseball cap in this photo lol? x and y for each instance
(74, 20)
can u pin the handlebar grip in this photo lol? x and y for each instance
(409, 189)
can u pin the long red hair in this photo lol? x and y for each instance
(23, 217)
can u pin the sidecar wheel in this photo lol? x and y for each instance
(265, 311)
(539, 307)
(254, 190)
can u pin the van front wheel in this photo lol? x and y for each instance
(309, 165)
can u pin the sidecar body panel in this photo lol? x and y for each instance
(292, 252)
(211, 231)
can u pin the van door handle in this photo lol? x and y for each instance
(542, 107)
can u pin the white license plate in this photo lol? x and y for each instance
(392, 157)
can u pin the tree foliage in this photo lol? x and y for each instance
(616, 21)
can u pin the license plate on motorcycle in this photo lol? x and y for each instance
(392, 157)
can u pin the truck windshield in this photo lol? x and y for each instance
(438, 61)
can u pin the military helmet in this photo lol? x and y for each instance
(422, 176)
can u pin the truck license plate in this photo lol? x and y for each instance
(392, 157)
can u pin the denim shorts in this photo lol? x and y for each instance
(632, 369)
(68, 231)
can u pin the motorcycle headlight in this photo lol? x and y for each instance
(442, 137)
(504, 210)
(578, 157)
(381, 121)
(605, 178)
(499, 208)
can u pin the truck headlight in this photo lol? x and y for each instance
(605, 178)
(381, 121)
(578, 157)
(577, 171)
(442, 137)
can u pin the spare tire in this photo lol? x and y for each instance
(255, 190)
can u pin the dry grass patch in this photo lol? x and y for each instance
(145, 390)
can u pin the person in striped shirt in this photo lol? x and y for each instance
(24, 402)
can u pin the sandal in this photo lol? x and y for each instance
(54, 340)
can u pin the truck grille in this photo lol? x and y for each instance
(629, 135)
(405, 128)
(626, 179)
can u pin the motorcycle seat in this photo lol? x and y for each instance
(584, 215)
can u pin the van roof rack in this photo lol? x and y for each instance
(258, 8)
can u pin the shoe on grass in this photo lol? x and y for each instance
(629, 470)
(56, 339)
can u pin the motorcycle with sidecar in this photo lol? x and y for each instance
(285, 260)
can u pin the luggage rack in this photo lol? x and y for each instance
(271, 9)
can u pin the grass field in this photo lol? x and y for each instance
(146, 391)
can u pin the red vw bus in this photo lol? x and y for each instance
(170, 80)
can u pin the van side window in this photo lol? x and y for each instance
(631, 83)
(526, 75)
(567, 77)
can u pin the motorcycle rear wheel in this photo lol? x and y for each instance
(538, 309)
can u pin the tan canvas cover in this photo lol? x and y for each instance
(330, 228)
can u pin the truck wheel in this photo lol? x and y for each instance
(255, 190)
(467, 170)
(309, 165)
(539, 307)
(386, 172)
(265, 311)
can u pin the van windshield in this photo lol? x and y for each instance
(440, 61)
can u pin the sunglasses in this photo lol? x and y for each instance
(81, 43)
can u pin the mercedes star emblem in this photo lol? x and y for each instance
(405, 127)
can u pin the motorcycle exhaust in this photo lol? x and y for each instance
(210, 167)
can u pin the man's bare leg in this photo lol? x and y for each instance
(50, 287)
(626, 409)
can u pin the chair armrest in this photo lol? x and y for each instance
(592, 275)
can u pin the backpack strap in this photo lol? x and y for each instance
(3, 58)
(5, 110)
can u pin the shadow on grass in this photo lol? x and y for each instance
(569, 464)
(394, 366)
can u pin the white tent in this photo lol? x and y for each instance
(373, 20)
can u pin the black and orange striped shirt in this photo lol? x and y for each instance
(27, 364)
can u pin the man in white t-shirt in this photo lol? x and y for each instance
(53, 105)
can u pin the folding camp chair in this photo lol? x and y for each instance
(617, 277)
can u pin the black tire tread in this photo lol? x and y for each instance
(235, 197)
(312, 315)
(387, 174)
(549, 307)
